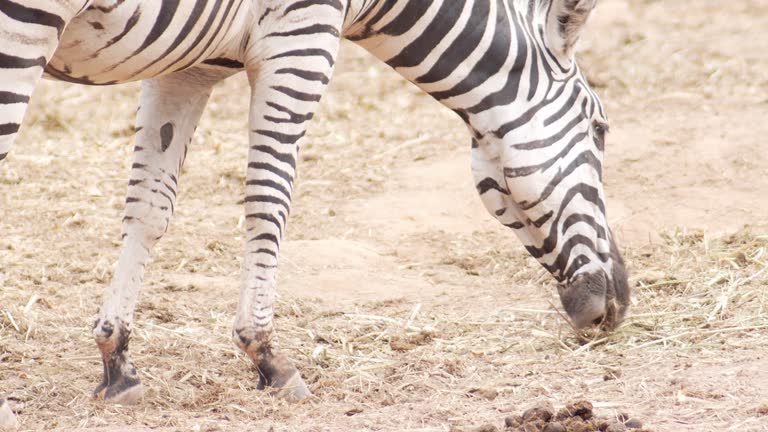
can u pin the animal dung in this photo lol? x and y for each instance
(575, 416)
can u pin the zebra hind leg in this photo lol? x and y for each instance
(286, 88)
(25, 49)
(170, 109)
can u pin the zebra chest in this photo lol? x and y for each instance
(137, 39)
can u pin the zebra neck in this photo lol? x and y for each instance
(485, 59)
(436, 44)
(358, 13)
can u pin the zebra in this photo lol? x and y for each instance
(506, 67)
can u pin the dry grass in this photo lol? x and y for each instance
(699, 303)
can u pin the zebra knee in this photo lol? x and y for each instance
(146, 222)
(147, 233)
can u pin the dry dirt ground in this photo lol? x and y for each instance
(405, 306)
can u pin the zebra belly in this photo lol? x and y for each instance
(129, 40)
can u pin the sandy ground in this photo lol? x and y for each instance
(406, 307)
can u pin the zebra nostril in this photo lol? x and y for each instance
(598, 321)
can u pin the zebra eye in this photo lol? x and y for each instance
(600, 130)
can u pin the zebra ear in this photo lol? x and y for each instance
(565, 21)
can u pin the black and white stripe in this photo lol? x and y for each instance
(538, 130)
(506, 67)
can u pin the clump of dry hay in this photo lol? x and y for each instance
(696, 290)
(695, 297)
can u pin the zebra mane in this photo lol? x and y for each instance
(565, 19)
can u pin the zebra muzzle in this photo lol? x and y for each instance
(587, 301)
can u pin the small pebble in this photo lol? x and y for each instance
(485, 393)
(352, 411)
(633, 424)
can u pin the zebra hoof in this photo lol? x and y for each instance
(8, 421)
(277, 374)
(119, 393)
(294, 390)
(121, 383)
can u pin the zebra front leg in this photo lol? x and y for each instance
(286, 88)
(170, 109)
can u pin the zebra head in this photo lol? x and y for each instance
(538, 162)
